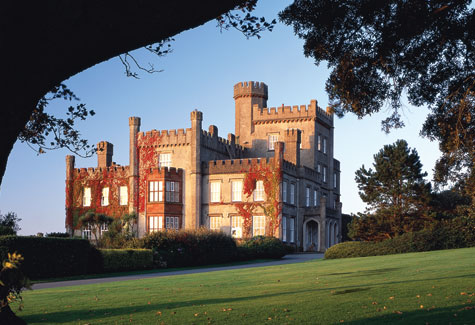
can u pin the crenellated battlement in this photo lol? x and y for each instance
(96, 172)
(289, 167)
(214, 142)
(250, 89)
(164, 137)
(235, 165)
(295, 112)
(165, 172)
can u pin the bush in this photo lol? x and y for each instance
(126, 259)
(447, 234)
(58, 235)
(52, 257)
(262, 247)
(189, 248)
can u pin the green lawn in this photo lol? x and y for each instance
(418, 288)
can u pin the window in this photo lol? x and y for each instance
(319, 142)
(123, 196)
(172, 191)
(334, 180)
(155, 191)
(105, 197)
(171, 223)
(272, 139)
(307, 196)
(284, 229)
(236, 191)
(284, 192)
(319, 168)
(165, 160)
(324, 145)
(334, 204)
(324, 174)
(215, 191)
(215, 223)
(104, 227)
(259, 191)
(315, 202)
(86, 198)
(258, 225)
(236, 226)
(292, 193)
(292, 229)
(155, 223)
(86, 232)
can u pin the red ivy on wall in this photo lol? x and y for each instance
(147, 158)
(271, 176)
(112, 178)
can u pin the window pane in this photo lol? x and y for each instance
(284, 229)
(258, 225)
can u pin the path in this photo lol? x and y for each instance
(288, 259)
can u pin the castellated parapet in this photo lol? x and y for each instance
(164, 137)
(250, 89)
(287, 113)
(97, 171)
(224, 146)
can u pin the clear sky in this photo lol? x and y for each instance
(199, 74)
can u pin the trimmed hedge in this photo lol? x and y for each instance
(126, 259)
(52, 257)
(262, 247)
(189, 248)
(448, 234)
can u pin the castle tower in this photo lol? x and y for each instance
(246, 95)
(292, 139)
(193, 192)
(134, 128)
(105, 150)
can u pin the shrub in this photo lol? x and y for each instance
(126, 259)
(262, 247)
(58, 235)
(12, 283)
(447, 234)
(52, 257)
(188, 248)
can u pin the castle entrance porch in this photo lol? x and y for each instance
(311, 243)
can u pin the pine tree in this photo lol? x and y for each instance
(396, 194)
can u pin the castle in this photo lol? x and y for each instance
(186, 179)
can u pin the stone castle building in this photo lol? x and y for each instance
(191, 178)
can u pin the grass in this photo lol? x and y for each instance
(125, 273)
(418, 288)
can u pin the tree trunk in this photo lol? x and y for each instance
(7, 316)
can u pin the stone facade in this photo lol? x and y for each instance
(190, 178)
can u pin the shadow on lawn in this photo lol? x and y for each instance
(460, 314)
(367, 272)
(91, 314)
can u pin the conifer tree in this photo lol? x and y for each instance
(396, 194)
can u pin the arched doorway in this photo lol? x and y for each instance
(311, 236)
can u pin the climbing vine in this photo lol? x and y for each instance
(147, 158)
(271, 176)
(112, 177)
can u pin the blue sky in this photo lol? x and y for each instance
(199, 74)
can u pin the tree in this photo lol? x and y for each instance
(396, 194)
(44, 43)
(9, 224)
(381, 50)
(95, 222)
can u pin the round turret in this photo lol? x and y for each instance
(250, 89)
